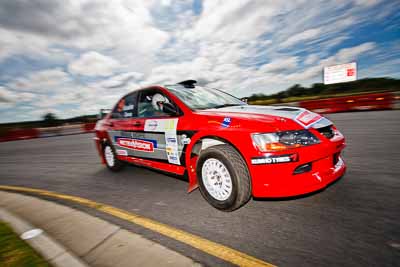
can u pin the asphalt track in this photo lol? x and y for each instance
(354, 222)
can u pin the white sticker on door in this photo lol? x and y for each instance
(162, 125)
(171, 147)
(167, 126)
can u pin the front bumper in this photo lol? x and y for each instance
(279, 180)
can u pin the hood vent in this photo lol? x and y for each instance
(327, 131)
(287, 109)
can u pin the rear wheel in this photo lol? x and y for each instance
(112, 162)
(223, 177)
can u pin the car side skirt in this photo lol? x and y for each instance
(171, 168)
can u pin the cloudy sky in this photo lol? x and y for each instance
(75, 57)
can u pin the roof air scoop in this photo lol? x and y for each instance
(188, 83)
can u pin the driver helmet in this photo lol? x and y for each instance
(158, 100)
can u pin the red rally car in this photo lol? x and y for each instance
(229, 149)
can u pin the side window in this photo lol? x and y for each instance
(151, 104)
(126, 107)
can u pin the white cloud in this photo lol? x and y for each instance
(280, 64)
(166, 2)
(126, 27)
(311, 59)
(349, 54)
(94, 64)
(8, 98)
(26, 97)
(366, 3)
(13, 43)
(119, 80)
(305, 74)
(201, 69)
(332, 42)
(237, 21)
(41, 81)
(301, 37)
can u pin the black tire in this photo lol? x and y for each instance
(117, 165)
(239, 174)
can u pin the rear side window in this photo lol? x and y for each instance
(126, 107)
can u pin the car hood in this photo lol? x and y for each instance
(301, 116)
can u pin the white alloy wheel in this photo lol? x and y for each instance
(216, 179)
(109, 155)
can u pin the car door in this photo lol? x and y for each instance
(159, 129)
(123, 124)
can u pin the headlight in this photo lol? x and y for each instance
(269, 142)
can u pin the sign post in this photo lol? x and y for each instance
(340, 73)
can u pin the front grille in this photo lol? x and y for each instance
(326, 131)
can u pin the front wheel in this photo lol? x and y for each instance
(112, 162)
(223, 177)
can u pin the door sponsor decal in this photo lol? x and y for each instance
(161, 125)
(185, 140)
(226, 122)
(122, 152)
(151, 125)
(307, 118)
(168, 127)
(171, 140)
(137, 144)
(171, 147)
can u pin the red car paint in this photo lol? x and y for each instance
(267, 180)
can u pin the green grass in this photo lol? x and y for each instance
(14, 252)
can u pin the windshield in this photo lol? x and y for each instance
(204, 98)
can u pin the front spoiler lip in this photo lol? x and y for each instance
(332, 179)
(306, 193)
(328, 177)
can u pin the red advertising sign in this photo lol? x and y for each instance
(136, 144)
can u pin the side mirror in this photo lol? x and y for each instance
(169, 109)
